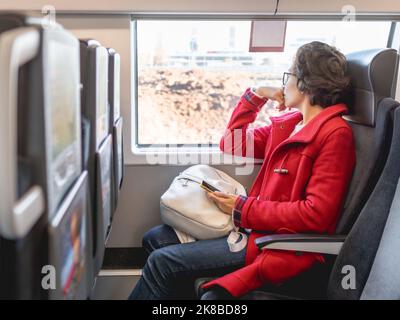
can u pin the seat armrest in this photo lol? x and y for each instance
(317, 243)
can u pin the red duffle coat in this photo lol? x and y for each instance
(319, 160)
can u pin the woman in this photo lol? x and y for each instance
(309, 157)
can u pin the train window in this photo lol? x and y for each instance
(190, 74)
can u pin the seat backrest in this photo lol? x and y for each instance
(370, 255)
(114, 85)
(95, 109)
(373, 73)
(115, 125)
(39, 134)
(384, 278)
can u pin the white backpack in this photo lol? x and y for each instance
(186, 208)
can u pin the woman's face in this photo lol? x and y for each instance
(293, 96)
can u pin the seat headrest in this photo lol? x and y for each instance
(373, 77)
(90, 42)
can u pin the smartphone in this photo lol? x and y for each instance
(208, 187)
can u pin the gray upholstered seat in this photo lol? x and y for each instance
(373, 73)
(372, 246)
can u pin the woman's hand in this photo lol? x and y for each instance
(224, 201)
(273, 93)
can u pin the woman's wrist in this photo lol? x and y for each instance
(270, 93)
(265, 92)
(256, 92)
(237, 210)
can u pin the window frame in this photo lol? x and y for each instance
(209, 153)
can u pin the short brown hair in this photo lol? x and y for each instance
(322, 73)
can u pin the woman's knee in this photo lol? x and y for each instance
(165, 274)
(159, 265)
(155, 276)
(158, 237)
(155, 262)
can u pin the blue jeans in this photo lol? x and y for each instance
(172, 267)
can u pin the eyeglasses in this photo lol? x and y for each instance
(286, 76)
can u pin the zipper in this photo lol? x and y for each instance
(216, 172)
(187, 176)
(184, 177)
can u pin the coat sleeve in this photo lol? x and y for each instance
(238, 139)
(324, 195)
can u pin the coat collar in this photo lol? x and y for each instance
(289, 120)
